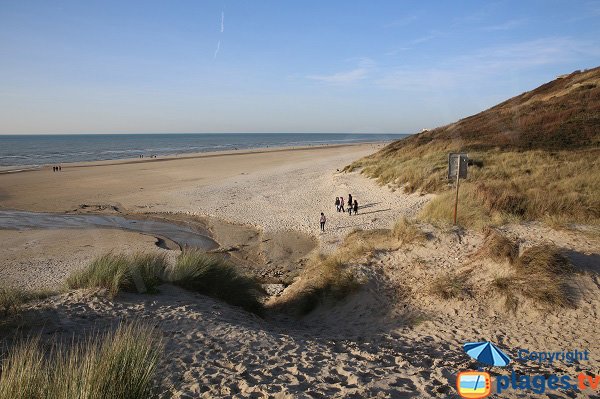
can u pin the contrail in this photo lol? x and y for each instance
(217, 50)
(222, 21)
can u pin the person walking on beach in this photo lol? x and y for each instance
(350, 200)
(342, 204)
(337, 203)
(355, 207)
(323, 220)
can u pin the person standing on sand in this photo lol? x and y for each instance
(355, 207)
(337, 203)
(342, 204)
(323, 220)
(350, 200)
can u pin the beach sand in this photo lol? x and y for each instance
(394, 338)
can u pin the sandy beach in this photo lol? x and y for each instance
(392, 339)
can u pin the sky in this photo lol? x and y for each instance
(278, 66)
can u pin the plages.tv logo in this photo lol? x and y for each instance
(477, 384)
(473, 384)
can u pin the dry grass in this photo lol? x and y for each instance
(329, 279)
(451, 286)
(498, 247)
(213, 276)
(117, 365)
(407, 232)
(115, 273)
(542, 274)
(530, 185)
(12, 299)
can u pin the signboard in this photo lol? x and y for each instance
(457, 162)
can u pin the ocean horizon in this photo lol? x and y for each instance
(47, 149)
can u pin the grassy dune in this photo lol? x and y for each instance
(533, 157)
(193, 270)
(556, 187)
(115, 365)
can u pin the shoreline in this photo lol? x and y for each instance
(188, 155)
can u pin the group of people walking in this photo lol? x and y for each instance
(56, 169)
(352, 206)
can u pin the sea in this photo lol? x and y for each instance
(38, 150)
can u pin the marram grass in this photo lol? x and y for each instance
(116, 365)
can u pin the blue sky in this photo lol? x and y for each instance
(278, 66)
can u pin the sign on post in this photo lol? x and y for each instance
(457, 161)
(457, 169)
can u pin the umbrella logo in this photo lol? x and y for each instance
(487, 353)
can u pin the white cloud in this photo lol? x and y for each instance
(222, 21)
(487, 64)
(508, 25)
(347, 77)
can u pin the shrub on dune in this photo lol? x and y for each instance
(213, 276)
(116, 365)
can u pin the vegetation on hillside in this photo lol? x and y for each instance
(533, 157)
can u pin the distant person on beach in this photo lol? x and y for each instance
(323, 220)
(350, 200)
(54, 168)
(337, 203)
(355, 207)
(342, 204)
(59, 168)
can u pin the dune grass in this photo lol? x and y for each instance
(407, 232)
(11, 299)
(326, 281)
(213, 276)
(116, 272)
(451, 285)
(542, 274)
(550, 186)
(115, 365)
(498, 247)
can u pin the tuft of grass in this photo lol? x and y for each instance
(115, 273)
(330, 283)
(406, 232)
(545, 273)
(498, 247)
(450, 286)
(542, 274)
(505, 286)
(545, 259)
(117, 365)
(11, 299)
(213, 276)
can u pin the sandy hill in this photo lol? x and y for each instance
(563, 113)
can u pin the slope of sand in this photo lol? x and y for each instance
(393, 339)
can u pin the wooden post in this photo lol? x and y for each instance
(457, 184)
